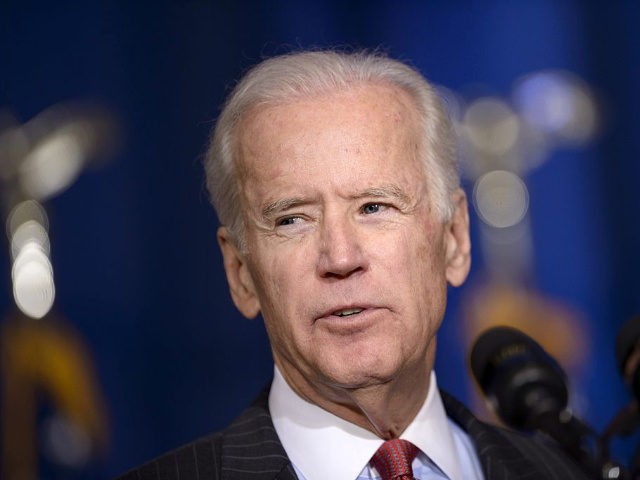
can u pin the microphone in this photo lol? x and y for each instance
(522, 382)
(527, 388)
(628, 354)
(628, 359)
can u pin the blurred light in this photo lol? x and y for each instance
(515, 235)
(31, 272)
(53, 164)
(508, 252)
(501, 198)
(558, 103)
(31, 252)
(66, 443)
(33, 287)
(29, 231)
(41, 159)
(491, 126)
(13, 147)
(535, 148)
(23, 212)
(45, 155)
(28, 222)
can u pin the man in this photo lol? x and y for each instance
(343, 222)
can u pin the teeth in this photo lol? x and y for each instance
(348, 311)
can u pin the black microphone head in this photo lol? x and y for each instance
(522, 382)
(628, 338)
(628, 347)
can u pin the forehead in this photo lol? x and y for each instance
(366, 126)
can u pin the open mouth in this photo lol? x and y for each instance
(347, 312)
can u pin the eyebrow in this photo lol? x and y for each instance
(384, 191)
(282, 205)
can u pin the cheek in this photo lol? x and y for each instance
(425, 263)
(433, 250)
(278, 276)
(425, 251)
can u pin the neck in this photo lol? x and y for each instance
(386, 408)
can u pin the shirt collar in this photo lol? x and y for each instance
(322, 445)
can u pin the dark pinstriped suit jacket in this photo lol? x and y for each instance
(250, 449)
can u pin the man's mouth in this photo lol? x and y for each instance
(347, 312)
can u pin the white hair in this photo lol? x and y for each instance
(293, 76)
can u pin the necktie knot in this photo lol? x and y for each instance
(393, 459)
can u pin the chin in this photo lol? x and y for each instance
(361, 374)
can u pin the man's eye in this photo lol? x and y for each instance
(370, 208)
(286, 221)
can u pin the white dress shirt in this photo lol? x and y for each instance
(321, 445)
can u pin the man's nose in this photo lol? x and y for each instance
(341, 248)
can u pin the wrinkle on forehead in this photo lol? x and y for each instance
(395, 127)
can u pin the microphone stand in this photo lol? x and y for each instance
(582, 443)
(626, 421)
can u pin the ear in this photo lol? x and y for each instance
(241, 286)
(457, 241)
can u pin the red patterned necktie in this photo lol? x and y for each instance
(393, 460)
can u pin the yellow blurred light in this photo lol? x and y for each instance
(501, 198)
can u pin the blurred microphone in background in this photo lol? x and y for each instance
(628, 354)
(627, 420)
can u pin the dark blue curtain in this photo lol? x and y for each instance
(136, 263)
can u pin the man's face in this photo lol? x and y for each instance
(347, 260)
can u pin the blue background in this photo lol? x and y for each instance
(137, 268)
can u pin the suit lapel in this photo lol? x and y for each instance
(251, 447)
(500, 458)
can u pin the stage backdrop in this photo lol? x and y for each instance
(143, 349)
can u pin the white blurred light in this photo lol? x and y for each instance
(29, 231)
(491, 126)
(30, 252)
(558, 103)
(32, 275)
(53, 165)
(23, 212)
(31, 272)
(33, 286)
(501, 198)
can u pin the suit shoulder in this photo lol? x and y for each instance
(249, 444)
(545, 453)
(198, 459)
